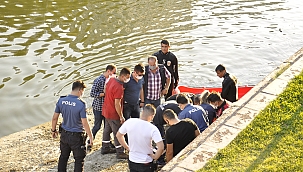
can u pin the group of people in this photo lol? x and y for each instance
(118, 101)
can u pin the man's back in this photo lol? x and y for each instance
(229, 88)
(181, 134)
(140, 133)
(197, 114)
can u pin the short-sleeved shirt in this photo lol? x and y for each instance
(154, 84)
(197, 114)
(114, 90)
(97, 89)
(132, 91)
(140, 134)
(181, 134)
(72, 109)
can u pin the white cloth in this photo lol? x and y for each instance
(140, 134)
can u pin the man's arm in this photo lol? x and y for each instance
(98, 89)
(87, 130)
(119, 110)
(169, 152)
(159, 151)
(54, 124)
(225, 88)
(121, 140)
(142, 97)
(176, 73)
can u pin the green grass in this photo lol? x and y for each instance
(272, 142)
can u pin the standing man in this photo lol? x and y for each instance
(112, 111)
(229, 84)
(141, 133)
(73, 111)
(156, 81)
(170, 61)
(98, 93)
(194, 112)
(133, 93)
(179, 134)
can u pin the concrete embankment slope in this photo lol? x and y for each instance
(236, 118)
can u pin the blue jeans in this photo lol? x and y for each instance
(131, 111)
(98, 121)
(138, 167)
(71, 141)
(156, 103)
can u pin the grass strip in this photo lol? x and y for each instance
(273, 141)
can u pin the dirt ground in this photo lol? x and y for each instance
(34, 149)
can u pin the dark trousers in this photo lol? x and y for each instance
(139, 167)
(70, 141)
(98, 121)
(131, 111)
(156, 103)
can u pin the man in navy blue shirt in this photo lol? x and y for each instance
(133, 92)
(73, 111)
(194, 112)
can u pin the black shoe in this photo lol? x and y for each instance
(122, 155)
(107, 150)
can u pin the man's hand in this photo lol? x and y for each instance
(141, 105)
(164, 91)
(122, 119)
(55, 134)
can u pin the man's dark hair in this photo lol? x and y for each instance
(78, 85)
(164, 41)
(220, 68)
(182, 99)
(149, 110)
(110, 67)
(197, 99)
(124, 71)
(139, 68)
(213, 97)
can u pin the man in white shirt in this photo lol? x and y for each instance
(140, 133)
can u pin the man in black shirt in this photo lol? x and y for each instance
(229, 84)
(170, 61)
(180, 133)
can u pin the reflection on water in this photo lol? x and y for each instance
(45, 45)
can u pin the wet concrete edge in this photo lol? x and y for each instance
(236, 118)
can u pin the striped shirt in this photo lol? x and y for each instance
(98, 87)
(154, 85)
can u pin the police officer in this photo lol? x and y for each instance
(72, 138)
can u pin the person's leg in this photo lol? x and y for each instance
(147, 101)
(115, 125)
(136, 111)
(77, 146)
(65, 152)
(127, 110)
(106, 139)
(98, 121)
(156, 103)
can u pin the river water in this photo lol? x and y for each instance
(46, 44)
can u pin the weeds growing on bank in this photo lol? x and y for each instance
(272, 142)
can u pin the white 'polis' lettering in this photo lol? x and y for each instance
(194, 110)
(69, 103)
